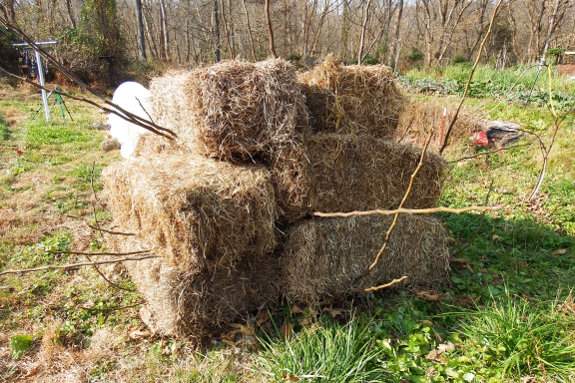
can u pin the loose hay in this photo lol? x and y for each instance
(423, 116)
(180, 303)
(234, 109)
(348, 172)
(323, 257)
(352, 99)
(195, 212)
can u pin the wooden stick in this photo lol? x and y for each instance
(385, 286)
(440, 209)
(75, 265)
(95, 254)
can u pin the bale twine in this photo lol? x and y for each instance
(181, 303)
(354, 99)
(323, 257)
(348, 172)
(195, 212)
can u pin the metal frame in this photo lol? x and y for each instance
(25, 47)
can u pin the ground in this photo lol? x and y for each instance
(507, 313)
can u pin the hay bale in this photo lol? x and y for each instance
(195, 212)
(348, 172)
(355, 99)
(234, 110)
(180, 303)
(323, 257)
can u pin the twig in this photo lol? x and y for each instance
(135, 119)
(96, 254)
(390, 230)
(445, 140)
(406, 130)
(466, 246)
(488, 153)
(270, 30)
(385, 286)
(75, 265)
(440, 209)
(109, 231)
(151, 127)
(111, 308)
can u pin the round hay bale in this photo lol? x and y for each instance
(323, 257)
(355, 99)
(196, 213)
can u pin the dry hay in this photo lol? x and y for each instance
(180, 303)
(353, 99)
(151, 145)
(234, 110)
(347, 173)
(195, 212)
(421, 117)
(323, 257)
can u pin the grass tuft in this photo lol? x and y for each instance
(327, 352)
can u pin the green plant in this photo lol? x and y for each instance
(518, 338)
(458, 59)
(415, 55)
(327, 352)
(20, 344)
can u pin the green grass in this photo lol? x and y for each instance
(488, 82)
(3, 130)
(328, 352)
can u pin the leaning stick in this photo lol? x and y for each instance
(440, 209)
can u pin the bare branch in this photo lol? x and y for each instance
(96, 254)
(385, 286)
(440, 209)
(75, 265)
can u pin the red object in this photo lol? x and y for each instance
(19, 152)
(480, 139)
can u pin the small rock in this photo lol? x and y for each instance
(101, 126)
(110, 144)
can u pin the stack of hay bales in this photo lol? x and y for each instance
(248, 161)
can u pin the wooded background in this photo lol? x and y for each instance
(399, 33)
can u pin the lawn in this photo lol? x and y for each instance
(506, 315)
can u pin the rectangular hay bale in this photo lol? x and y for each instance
(323, 258)
(348, 172)
(234, 110)
(196, 213)
(179, 303)
(355, 99)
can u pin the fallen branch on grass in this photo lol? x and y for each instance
(95, 254)
(75, 265)
(105, 309)
(109, 231)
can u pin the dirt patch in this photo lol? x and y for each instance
(566, 69)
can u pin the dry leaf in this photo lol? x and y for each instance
(306, 321)
(138, 334)
(263, 317)
(335, 312)
(446, 347)
(291, 378)
(429, 296)
(435, 356)
(560, 252)
(244, 330)
(427, 322)
(495, 237)
(296, 310)
(286, 330)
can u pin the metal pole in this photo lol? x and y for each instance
(41, 78)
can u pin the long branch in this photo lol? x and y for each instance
(445, 140)
(440, 209)
(75, 265)
(96, 254)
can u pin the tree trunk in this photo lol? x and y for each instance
(164, 29)
(70, 13)
(252, 44)
(217, 32)
(395, 42)
(270, 30)
(141, 39)
(363, 29)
